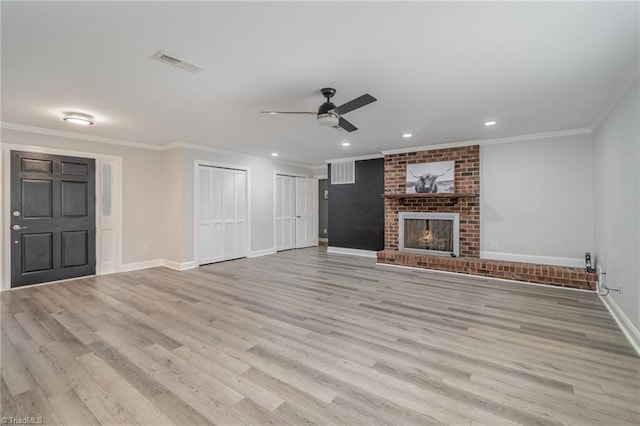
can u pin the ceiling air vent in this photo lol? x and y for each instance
(176, 62)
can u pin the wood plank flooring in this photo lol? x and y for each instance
(306, 337)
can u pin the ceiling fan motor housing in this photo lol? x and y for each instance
(326, 107)
(326, 114)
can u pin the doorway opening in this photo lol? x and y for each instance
(323, 211)
(296, 212)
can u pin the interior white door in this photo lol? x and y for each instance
(285, 212)
(306, 212)
(222, 214)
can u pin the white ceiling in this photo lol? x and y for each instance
(439, 70)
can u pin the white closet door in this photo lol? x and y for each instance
(240, 214)
(306, 212)
(222, 214)
(210, 226)
(285, 213)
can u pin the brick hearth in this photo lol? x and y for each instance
(467, 181)
(561, 276)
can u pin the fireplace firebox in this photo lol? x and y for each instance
(429, 233)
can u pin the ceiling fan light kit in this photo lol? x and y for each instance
(328, 120)
(329, 115)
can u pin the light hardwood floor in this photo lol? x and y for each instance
(305, 337)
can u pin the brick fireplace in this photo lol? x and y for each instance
(466, 202)
(467, 180)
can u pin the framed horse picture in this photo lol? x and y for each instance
(436, 177)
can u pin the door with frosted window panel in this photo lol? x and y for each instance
(107, 210)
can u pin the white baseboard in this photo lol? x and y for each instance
(541, 260)
(264, 252)
(351, 251)
(135, 266)
(179, 266)
(627, 327)
(154, 263)
(482, 277)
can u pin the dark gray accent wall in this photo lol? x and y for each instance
(323, 209)
(356, 211)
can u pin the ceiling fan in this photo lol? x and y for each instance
(330, 115)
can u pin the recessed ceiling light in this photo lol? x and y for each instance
(407, 135)
(78, 118)
(490, 123)
(274, 154)
(346, 143)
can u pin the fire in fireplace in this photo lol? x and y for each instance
(429, 233)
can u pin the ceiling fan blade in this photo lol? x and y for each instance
(287, 112)
(346, 125)
(355, 104)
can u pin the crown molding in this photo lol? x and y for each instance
(78, 136)
(187, 145)
(617, 96)
(360, 158)
(139, 145)
(533, 136)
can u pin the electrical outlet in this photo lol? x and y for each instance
(494, 246)
(145, 247)
(324, 231)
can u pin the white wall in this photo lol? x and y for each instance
(536, 200)
(321, 171)
(158, 194)
(261, 196)
(172, 204)
(143, 214)
(616, 155)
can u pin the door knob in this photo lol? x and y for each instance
(18, 227)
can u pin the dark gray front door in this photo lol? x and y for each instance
(53, 222)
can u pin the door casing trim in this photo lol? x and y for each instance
(5, 217)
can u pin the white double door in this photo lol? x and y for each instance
(222, 214)
(296, 212)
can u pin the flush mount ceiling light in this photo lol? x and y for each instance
(78, 118)
(274, 154)
(490, 123)
(407, 135)
(346, 143)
